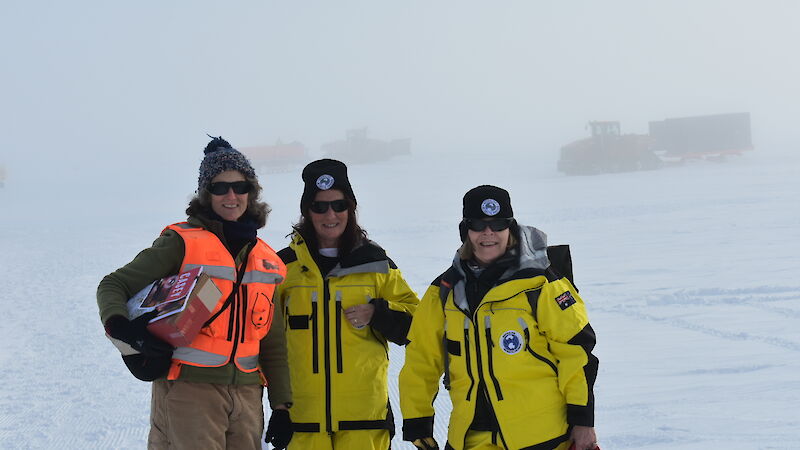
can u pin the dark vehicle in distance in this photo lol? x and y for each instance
(669, 141)
(607, 150)
(702, 136)
(357, 147)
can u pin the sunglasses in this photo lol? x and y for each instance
(222, 187)
(479, 225)
(322, 207)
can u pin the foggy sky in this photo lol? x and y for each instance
(108, 84)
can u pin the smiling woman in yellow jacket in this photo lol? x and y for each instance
(510, 335)
(342, 300)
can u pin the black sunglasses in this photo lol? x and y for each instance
(221, 187)
(322, 207)
(479, 225)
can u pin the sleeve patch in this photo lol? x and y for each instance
(565, 300)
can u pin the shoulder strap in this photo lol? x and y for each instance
(560, 263)
(445, 283)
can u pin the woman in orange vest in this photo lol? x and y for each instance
(344, 300)
(209, 394)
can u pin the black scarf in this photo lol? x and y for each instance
(238, 233)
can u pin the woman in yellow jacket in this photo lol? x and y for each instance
(511, 337)
(342, 300)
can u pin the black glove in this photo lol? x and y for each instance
(426, 444)
(134, 333)
(279, 430)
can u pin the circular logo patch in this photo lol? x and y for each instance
(511, 342)
(490, 207)
(325, 182)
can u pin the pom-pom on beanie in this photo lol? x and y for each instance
(219, 157)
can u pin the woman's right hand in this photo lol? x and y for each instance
(583, 438)
(359, 316)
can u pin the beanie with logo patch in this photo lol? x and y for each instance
(322, 175)
(485, 202)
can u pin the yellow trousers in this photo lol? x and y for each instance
(486, 440)
(341, 440)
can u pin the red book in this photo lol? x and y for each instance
(184, 303)
(166, 296)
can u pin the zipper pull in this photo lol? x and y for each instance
(487, 322)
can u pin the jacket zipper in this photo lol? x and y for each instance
(467, 358)
(339, 332)
(530, 349)
(286, 313)
(314, 333)
(327, 348)
(490, 362)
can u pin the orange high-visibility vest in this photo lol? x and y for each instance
(241, 318)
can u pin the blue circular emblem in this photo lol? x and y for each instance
(511, 342)
(490, 207)
(325, 182)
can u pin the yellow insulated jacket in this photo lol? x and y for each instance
(529, 342)
(339, 373)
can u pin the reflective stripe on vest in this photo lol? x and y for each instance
(257, 276)
(221, 272)
(218, 344)
(208, 359)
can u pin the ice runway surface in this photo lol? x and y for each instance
(689, 275)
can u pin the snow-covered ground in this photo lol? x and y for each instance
(690, 275)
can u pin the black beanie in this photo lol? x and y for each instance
(321, 175)
(220, 156)
(487, 202)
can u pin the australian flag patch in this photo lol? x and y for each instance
(565, 300)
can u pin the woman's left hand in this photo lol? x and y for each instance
(359, 315)
(583, 438)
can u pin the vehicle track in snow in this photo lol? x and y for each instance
(774, 301)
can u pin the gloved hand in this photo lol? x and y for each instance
(279, 429)
(134, 333)
(426, 444)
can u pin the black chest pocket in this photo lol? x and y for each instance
(300, 322)
(454, 347)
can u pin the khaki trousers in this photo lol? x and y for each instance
(186, 415)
